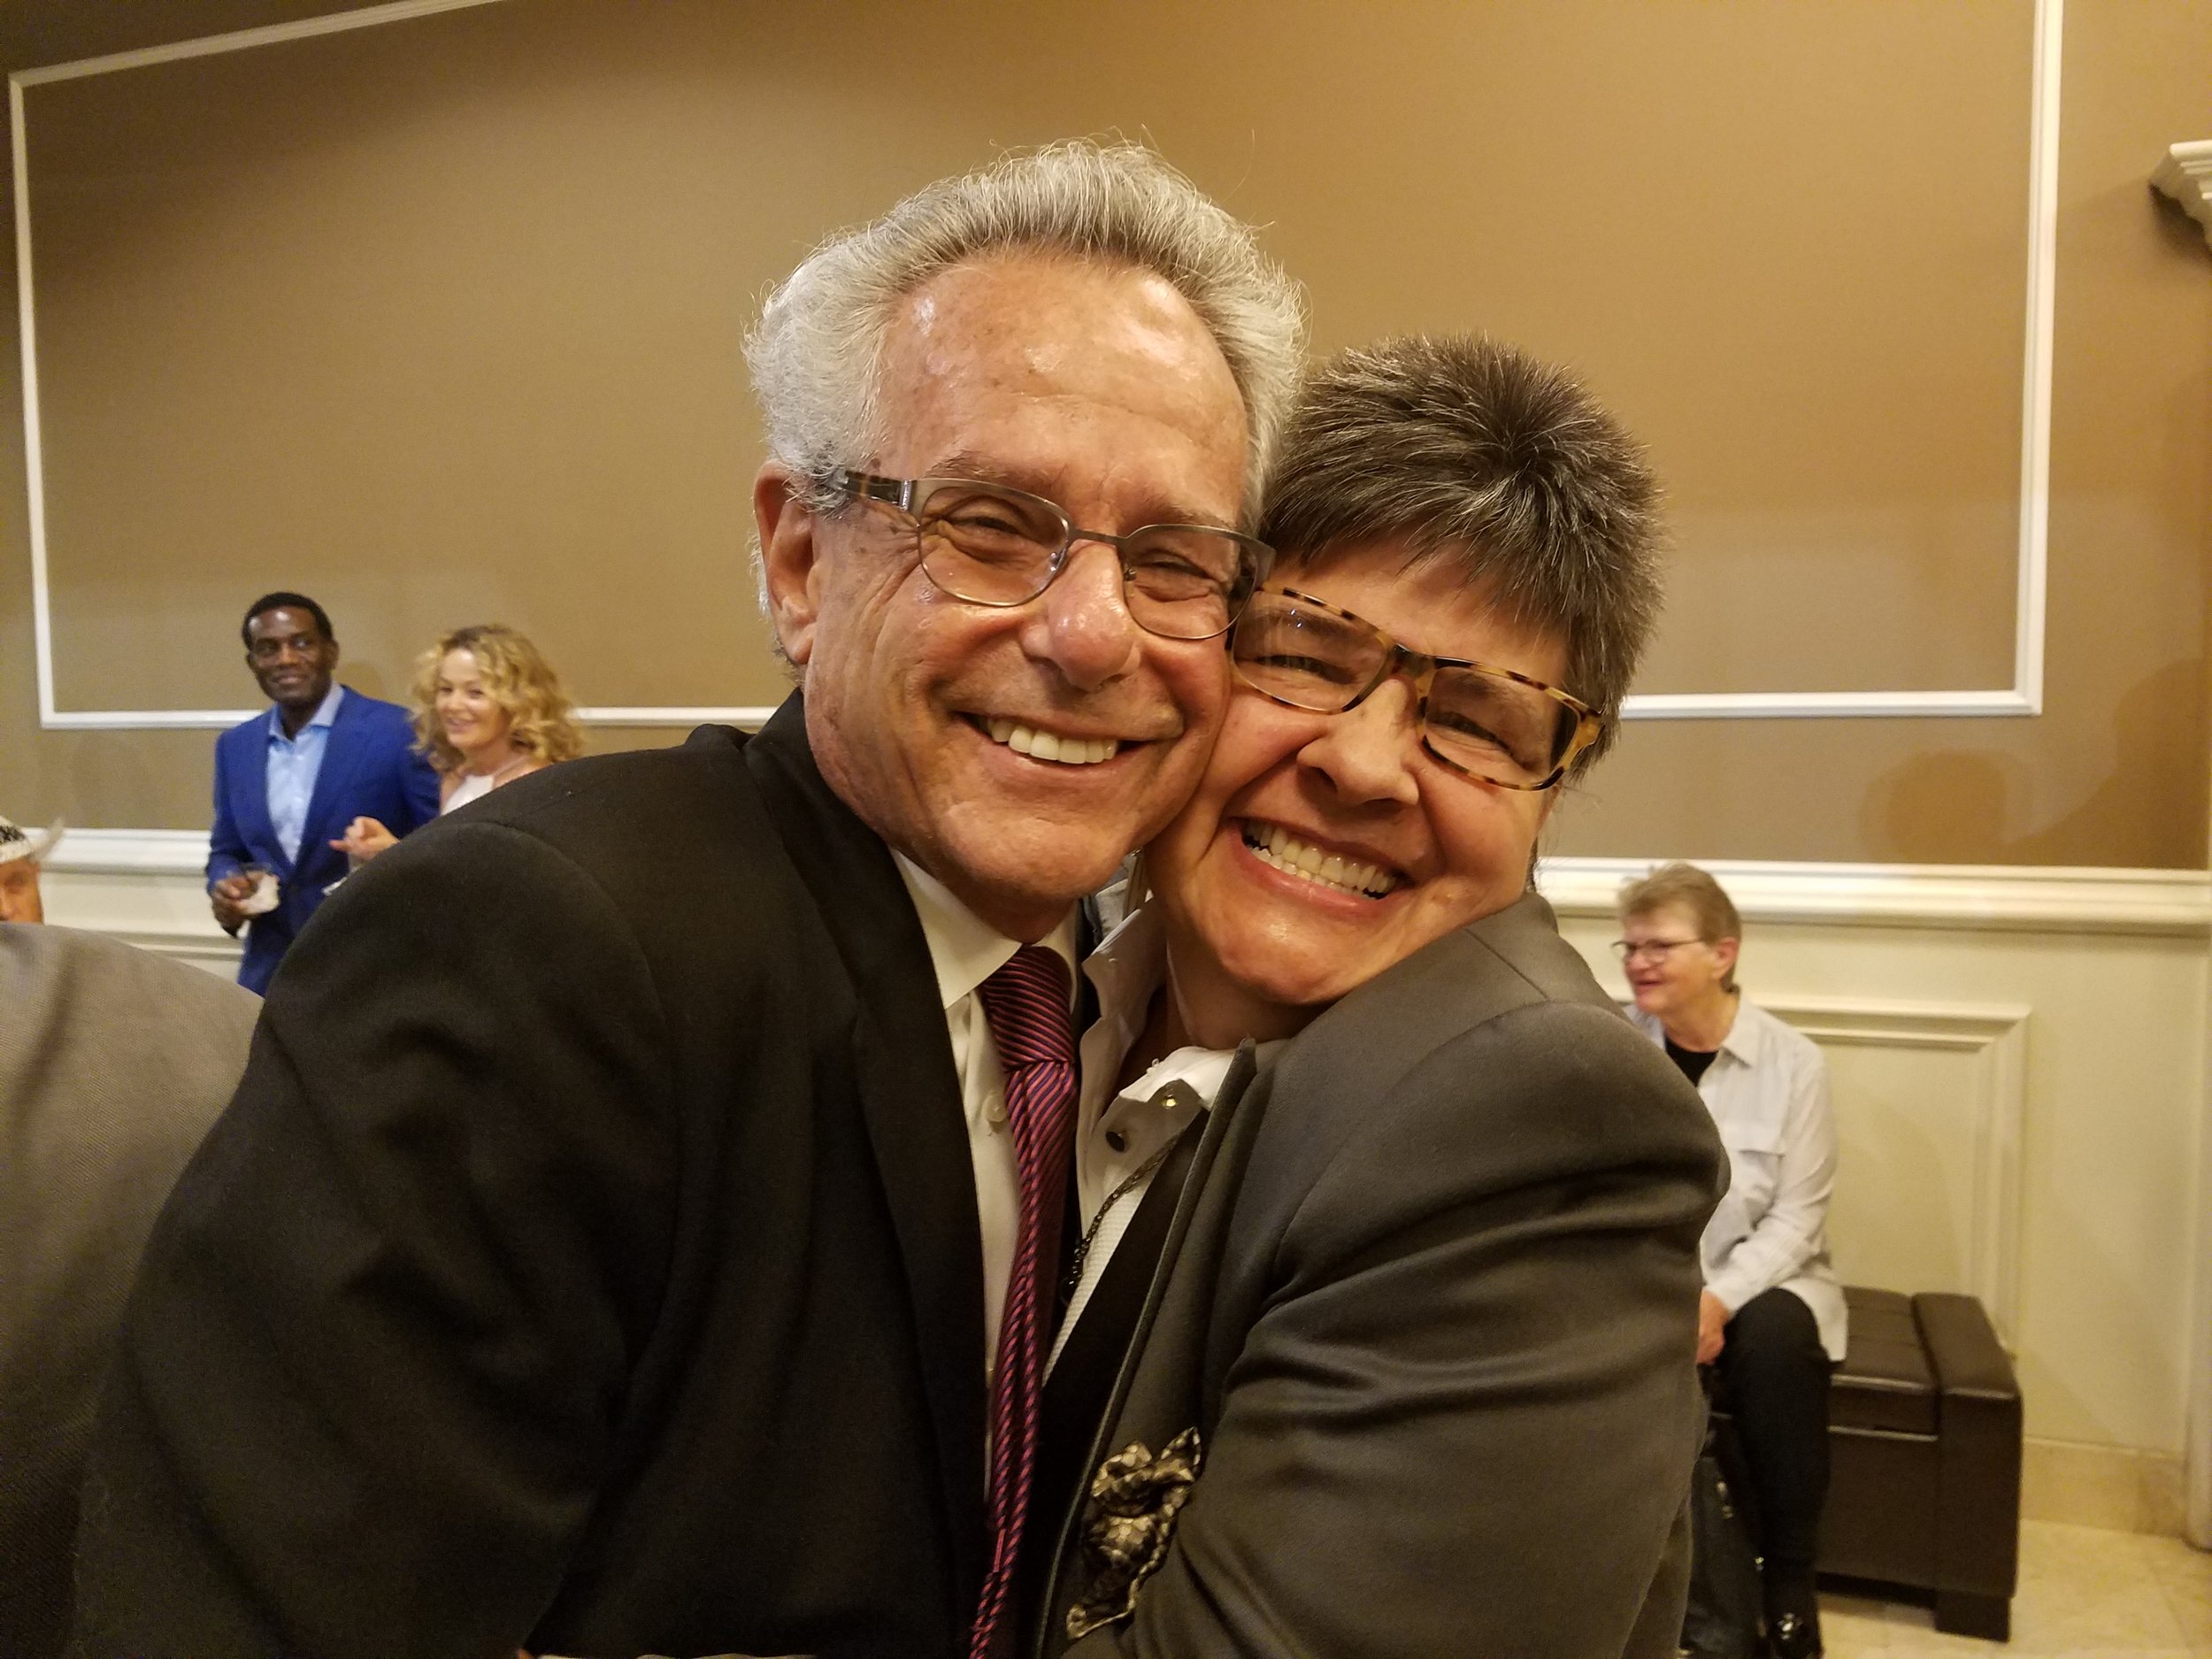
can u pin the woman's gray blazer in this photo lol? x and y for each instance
(1424, 1330)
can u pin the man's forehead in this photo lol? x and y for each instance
(284, 619)
(1015, 371)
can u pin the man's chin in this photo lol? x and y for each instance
(1019, 884)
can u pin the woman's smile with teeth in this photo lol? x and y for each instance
(1069, 751)
(1272, 844)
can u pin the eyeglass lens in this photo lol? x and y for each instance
(999, 547)
(1494, 726)
(1653, 949)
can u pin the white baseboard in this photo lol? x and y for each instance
(2115, 1487)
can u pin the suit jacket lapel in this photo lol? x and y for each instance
(341, 757)
(1083, 1376)
(911, 1095)
(1176, 1306)
(249, 799)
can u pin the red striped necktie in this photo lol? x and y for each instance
(1026, 1005)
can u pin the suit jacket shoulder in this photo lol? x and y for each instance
(113, 1062)
(596, 1213)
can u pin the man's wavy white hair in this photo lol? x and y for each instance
(815, 350)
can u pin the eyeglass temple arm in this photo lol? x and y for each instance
(895, 492)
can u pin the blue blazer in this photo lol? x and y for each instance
(370, 768)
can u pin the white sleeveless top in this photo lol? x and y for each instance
(473, 785)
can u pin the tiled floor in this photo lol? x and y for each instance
(2084, 1593)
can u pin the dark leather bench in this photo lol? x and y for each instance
(1924, 1447)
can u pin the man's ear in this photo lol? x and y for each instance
(790, 561)
(1724, 955)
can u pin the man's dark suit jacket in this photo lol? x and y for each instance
(1429, 1302)
(370, 768)
(589, 1260)
(113, 1062)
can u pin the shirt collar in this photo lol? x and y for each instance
(326, 713)
(1125, 970)
(1743, 1038)
(964, 948)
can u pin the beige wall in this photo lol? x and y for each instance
(438, 319)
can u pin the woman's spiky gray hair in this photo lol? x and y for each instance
(815, 351)
(1464, 448)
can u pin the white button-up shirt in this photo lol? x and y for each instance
(1767, 1088)
(1119, 1132)
(965, 951)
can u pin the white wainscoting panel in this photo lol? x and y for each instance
(143, 886)
(2020, 1072)
(1928, 1100)
(2020, 1080)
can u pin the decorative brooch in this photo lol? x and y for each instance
(1135, 1499)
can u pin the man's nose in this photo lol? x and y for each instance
(1366, 752)
(1082, 625)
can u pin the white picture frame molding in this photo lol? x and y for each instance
(2023, 697)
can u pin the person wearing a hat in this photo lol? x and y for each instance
(21, 853)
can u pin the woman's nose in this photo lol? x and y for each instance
(1366, 752)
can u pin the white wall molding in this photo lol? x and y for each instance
(751, 719)
(51, 717)
(2022, 698)
(130, 852)
(2043, 899)
(1996, 1035)
(2184, 172)
(2024, 695)
(2054, 899)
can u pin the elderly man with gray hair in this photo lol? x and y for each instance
(637, 1229)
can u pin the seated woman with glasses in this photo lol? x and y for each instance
(488, 710)
(1771, 1315)
(1414, 1376)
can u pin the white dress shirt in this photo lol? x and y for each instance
(1119, 1132)
(965, 951)
(1767, 1088)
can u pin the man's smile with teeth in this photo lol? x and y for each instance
(1027, 739)
(1272, 844)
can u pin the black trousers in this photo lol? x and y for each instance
(1775, 1375)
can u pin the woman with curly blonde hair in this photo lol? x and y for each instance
(488, 709)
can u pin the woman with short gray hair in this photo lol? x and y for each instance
(1771, 1316)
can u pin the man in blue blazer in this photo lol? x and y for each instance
(288, 781)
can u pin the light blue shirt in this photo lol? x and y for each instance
(294, 763)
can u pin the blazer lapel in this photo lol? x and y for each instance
(1084, 1374)
(1159, 1388)
(911, 1095)
(341, 757)
(249, 799)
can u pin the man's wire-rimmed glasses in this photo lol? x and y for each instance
(992, 545)
(1491, 723)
